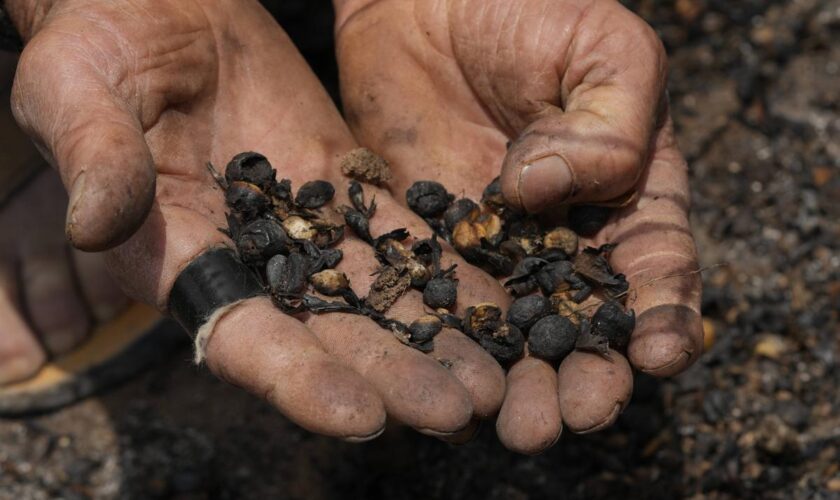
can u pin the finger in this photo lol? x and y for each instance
(20, 353)
(258, 348)
(591, 143)
(101, 293)
(417, 390)
(253, 345)
(464, 436)
(530, 419)
(656, 252)
(480, 374)
(593, 390)
(94, 140)
(53, 300)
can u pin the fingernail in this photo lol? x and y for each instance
(72, 205)
(544, 182)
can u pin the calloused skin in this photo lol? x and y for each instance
(51, 295)
(130, 99)
(439, 87)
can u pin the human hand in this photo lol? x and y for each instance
(129, 100)
(578, 87)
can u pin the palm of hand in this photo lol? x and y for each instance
(440, 87)
(131, 111)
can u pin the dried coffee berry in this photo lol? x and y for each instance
(586, 220)
(425, 328)
(262, 239)
(463, 209)
(552, 338)
(357, 198)
(252, 168)
(299, 228)
(314, 194)
(441, 293)
(555, 276)
(612, 322)
(591, 341)
(246, 200)
(428, 198)
(526, 311)
(282, 191)
(561, 238)
(492, 195)
(330, 282)
(287, 274)
(506, 343)
(359, 223)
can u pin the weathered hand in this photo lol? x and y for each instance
(129, 100)
(439, 88)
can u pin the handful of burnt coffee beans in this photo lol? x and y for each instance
(551, 279)
(288, 240)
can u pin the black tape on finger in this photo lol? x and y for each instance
(213, 280)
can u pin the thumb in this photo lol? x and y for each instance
(593, 145)
(92, 138)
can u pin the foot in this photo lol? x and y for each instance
(51, 295)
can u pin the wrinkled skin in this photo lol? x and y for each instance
(439, 86)
(130, 99)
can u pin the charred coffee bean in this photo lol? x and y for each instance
(586, 220)
(425, 328)
(441, 293)
(552, 254)
(552, 338)
(262, 239)
(492, 195)
(283, 190)
(287, 274)
(252, 168)
(526, 311)
(522, 288)
(506, 343)
(359, 223)
(490, 228)
(484, 318)
(331, 256)
(449, 320)
(330, 282)
(611, 321)
(428, 198)
(561, 238)
(463, 209)
(246, 200)
(553, 275)
(314, 194)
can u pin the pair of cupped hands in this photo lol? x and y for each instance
(129, 100)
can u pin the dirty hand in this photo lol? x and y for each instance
(130, 99)
(440, 87)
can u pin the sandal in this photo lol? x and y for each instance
(114, 352)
